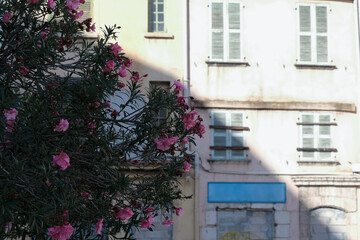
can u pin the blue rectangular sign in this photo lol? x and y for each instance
(246, 192)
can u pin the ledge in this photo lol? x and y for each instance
(262, 105)
(344, 180)
(90, 35)
(159, 35)
(315, 66)
(318, 163)
(226, 63)
(316, 149)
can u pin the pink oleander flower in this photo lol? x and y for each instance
(99, 226)
(23, 70)
(93, 28)
(179, 211)
(185, 140)
(122, 85)
(10, 128)
(148, 211)
(48, 183)
(62, 232)
(128, 62)
(115, 48)
(62, 126)
(163, 144)
(110, 65)
(91, 125)
(6, 17)
(82, 1)
(187, 167)
(10, 114)
(124, 214)
(189, 119)
(51, 4)
(85, 195)
(167, 222)
(178, 86)
(72, 4)
(122, 71)
(33, 1)
(8, 225)
(62, 160)
(146, 223)
(135, 77)
(78, 15)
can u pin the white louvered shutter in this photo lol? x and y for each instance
(321, 33)
(324, 136)
(217, 30)
(219, 135)
(305, 33)
(87, 8)
(234, 31)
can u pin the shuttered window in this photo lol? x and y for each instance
(315, 139)
(228, 141)
(87, 8)
(313, 33)
(225, 30)
(156, 15)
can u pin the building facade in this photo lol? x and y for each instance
(277, 85)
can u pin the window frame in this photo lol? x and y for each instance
(313, 34)
(316, 137)
(156, 22)
(240, 131)
(226, 32)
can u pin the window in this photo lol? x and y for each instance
(315, 132)
(87, 8)
(225, 31)
(156, 16)
(228, 141)
(313, 33)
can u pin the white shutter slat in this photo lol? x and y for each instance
(87, 9)
(308, 142)
(217, 16)
(217, 45)
(234, 45)
(220, 137)
(322, 48)
(237, 154)
(305, 48)
(219, 118)
(217, 26)
(321, 19)
(236, 119)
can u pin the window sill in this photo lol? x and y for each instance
(226, 63)
(315, 66)
(159, 35)
(90, 35)
(316, 149)
(317, 162)
(244, 161)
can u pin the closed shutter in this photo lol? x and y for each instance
(234, 30)
(324, 136)
(87, 8)
(321, 34)
(308, 138)
(305, 33)
(217, 26)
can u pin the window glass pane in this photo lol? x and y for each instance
(308, 142)
(217, 15)
(160, 27)
(324, 155)
(321, 19)
(236, 119)
(161, 8)
(304, 15)
(237, 138)
(324, 130)
(308, 130)
(324, 143)
(234, 16)
(236, 154)
(305, 48)
(160, 17)
(234, 45)
(217, 45)
(308, 155)
(219, 154)
(308, 118)
(219, 119)
(322, 48)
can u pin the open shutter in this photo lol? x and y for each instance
(217, 28)
(305, 33)
(234, 30)
(321, 34)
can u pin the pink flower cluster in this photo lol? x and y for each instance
(62, 232)
(99, 226)
(51, 4)
(115, 48)
(167, 222)
(178, 86)
(124, 214)
(62, 161)
(62, 126)
(189, 119)
(110, 65)
(10, 116)
(164, 144)
(6, 17)
(187, 167)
